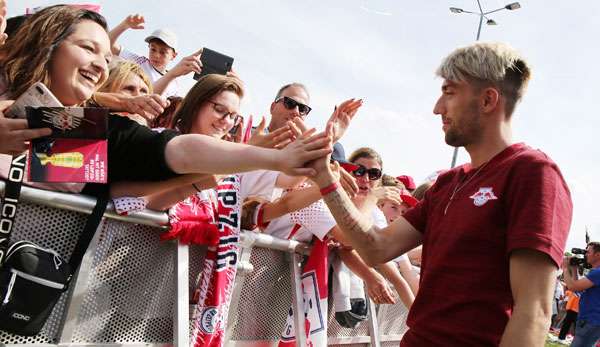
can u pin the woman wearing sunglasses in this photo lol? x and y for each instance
(368, 178)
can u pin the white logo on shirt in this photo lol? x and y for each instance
(482, 196)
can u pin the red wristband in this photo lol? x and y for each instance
(330, 188)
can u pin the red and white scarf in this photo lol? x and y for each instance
(314, 292)
(194, 221)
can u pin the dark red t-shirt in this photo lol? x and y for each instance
(518, 200)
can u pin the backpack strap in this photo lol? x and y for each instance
(90, 228)
(12, 192)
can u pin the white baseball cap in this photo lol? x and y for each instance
(166, 36)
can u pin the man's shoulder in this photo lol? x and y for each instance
(594, 273)
(527, 156)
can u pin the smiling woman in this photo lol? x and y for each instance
(64, 47)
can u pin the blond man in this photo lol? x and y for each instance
(493, 230)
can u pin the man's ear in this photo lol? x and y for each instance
(272, 107)
(490, 99)
(174, 54)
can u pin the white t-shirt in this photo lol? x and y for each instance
(260, 183)
(313, 220)
(155, 75)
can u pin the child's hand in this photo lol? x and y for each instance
(188, 64)
(134, 21)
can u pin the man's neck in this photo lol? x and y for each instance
(492, 142)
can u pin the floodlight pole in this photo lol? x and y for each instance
(481, 14)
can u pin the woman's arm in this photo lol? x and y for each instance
(138, 189)
(164, 200)
(290, 202)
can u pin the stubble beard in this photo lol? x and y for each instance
(467, 131)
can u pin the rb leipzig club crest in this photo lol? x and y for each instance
(482, 196)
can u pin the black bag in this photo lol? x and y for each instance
(33, 278)
(352, 317)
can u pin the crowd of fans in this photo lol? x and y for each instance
(168, 150)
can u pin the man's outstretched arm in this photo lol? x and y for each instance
(375, 246)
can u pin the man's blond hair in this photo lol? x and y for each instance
(489, 64)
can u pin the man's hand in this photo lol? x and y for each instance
(379, 290)
(134, 21)
(148, 106)
(14, 133)
(275, 139)
(186, 65)
(293, 158)
(323, 175)
(342, 116)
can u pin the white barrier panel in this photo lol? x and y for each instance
(126, 291)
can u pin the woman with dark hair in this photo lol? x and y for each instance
(210, 108)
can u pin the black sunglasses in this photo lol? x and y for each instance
(291, 104)
(373, 173)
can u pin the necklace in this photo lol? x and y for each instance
(461, 185)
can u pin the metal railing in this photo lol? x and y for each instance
(133, 290)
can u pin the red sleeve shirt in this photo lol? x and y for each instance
(518, 200)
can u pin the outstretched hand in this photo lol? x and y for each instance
(320, 165)
(148, 106)
(275, 139)
(294, 157)
(191, 63)
(342, 116)
(134, 21)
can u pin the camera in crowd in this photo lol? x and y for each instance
(578, 258)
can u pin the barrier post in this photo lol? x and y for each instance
(373, 324)
(298, 300)
(181, 320)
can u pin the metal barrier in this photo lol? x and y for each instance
(133, 290)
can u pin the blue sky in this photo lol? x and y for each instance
(386, 52)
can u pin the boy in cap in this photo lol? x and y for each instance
(394, 209)
(162, 49)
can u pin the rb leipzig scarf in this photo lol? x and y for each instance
(218, 273)
(314, 291)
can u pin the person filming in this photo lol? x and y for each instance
(587, 328)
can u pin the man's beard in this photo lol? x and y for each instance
(467, 131)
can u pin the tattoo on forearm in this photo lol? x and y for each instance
(347, 216)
